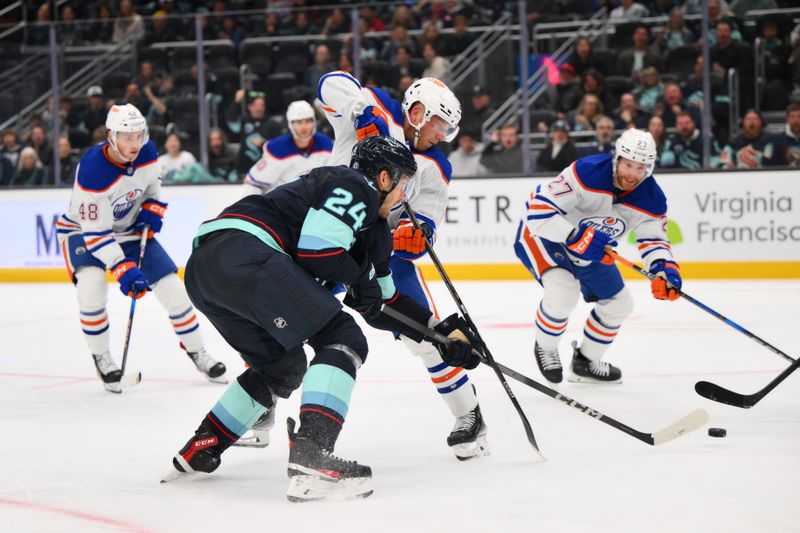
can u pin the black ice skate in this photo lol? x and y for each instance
(316, 474)
(200, 454)
(258, 436)
(585, 370)
(549, 364)
(108, 371)
(468, 438)
(212, 369)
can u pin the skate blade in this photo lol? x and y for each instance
(311, 488)
(470, 450)
(252, 441)
(223, 379)
(575, 378)
(174, 474)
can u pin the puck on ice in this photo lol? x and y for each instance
(717, 432)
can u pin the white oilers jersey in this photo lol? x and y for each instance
(107, 198)
(282, 161)
(343, 99)
(584, 194)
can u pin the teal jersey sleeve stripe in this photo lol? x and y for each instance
(387, 286)
(328, 386)
(237, 409)
(238, 224)
(325, 226)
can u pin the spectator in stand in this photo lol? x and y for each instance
(604, 139)
(345, 63)
(253, 127)
(786, 145)
(776, 54)
(460, 39)
(673, 103)
(649, 90)
(752, 148)
(403, 85)
(628, 10)
(727, 54)
(95, 113)
(628, 115)
(684, 148)
(656, 128)
(301, 25)
(336, 23)
(373, 23)
(632, 60)
(503, 155)
(740, 7)
(221, 157)
(663, 8)
(438, 67)
(69, 163)
(30, 171)
(161, 32)
(398, 38)
(69, 117)
(369, 45)
(160, 103)
(271, 26)
(560, 151)
(563, 96)
(39, 142)
(403, 16)
(593, 82)
(582, 58)
(402, 64)
(134, 96)
(322, 65)
(232, 30)
(675, 33)
(718, 11)
(39, 32)
(11, 147)
(480, 109)
(6, 171)
(147, 76)
(585, 117)
(129, 24)
(70, 32)
(175, 161)
(430, 35)
(103, 28)
(466, 159)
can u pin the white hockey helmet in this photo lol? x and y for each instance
(125, 118)
(438, 100)
(636, 145)
(300, 110)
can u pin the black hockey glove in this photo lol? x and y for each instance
(460, 352)
(365, 296)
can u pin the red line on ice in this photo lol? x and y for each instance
(122, 526)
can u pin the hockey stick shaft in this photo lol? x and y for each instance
(142, 246)
(705, 308)
(483, 348)
(685, 425)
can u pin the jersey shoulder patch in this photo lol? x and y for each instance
(95, 172)
(437, 156)
(388, 103)
(595, 173)
(648, 197)
(322, 143)
(281, 147)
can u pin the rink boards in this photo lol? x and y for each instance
(722, 225)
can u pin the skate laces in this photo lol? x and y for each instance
(202, 360)
(548, 358)
(466, 422)
(104, 363)
(600, 368)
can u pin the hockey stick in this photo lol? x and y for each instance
(745, 401)
(128, 381)
(688, 423)
(486, 355)
(704, 307)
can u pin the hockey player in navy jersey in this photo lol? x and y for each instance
(288, 156)
(429, 114)
(258, 272)
(116, 193)
(568, 226)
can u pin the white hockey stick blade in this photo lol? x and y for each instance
(687, 424)
(130, 380)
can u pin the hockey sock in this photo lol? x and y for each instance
(171, 293)
(234, 413)
(449, 381)
(325, 401)
(95, 328)
(561, 291)
(92, 290)
(603, 324)
(549, 328)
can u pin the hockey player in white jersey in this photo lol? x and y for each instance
(288, 156)
(116, 193)
(568, 226)
(429, 114)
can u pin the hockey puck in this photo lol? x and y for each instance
(717, 432)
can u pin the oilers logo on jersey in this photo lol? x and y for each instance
(122, 206)
(614, 227)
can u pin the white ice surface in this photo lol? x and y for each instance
(76, 458)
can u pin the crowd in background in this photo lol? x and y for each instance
(637, 83)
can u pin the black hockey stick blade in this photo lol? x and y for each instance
(719, 394)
